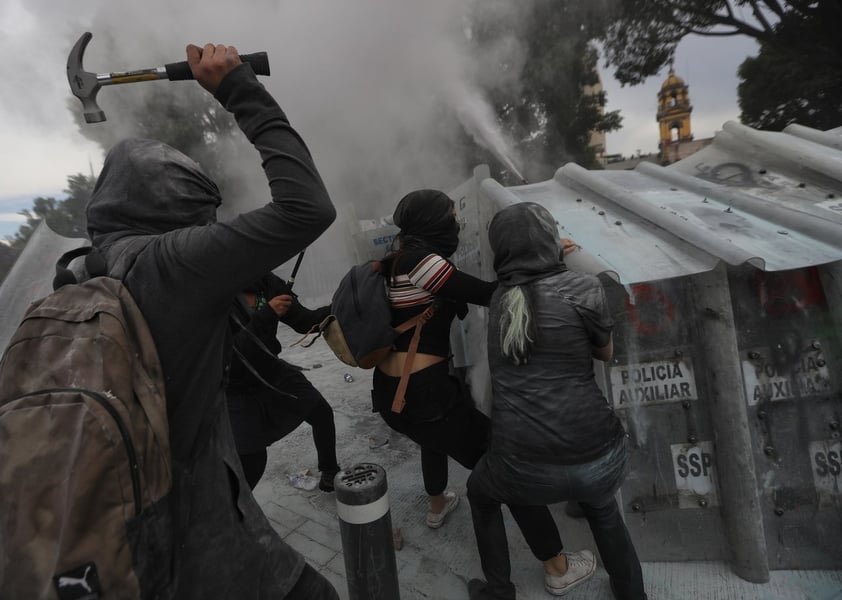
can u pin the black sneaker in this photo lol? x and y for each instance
(326, 481)
(475, 589)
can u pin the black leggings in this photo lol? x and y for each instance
(254, 464)
(324, 434)
(459, 430)
(260, 417)
(324, 438)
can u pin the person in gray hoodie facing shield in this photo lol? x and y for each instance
(554, 436)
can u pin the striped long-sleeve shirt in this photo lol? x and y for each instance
(419, 278)
(419, 286)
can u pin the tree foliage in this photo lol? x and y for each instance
(8, 256)
(188, 119)
(65, 217)
(798, 81)
(550, 116)
(799, 39)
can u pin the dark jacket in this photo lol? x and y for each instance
(255, 333)
(549, 408)
(153, 215)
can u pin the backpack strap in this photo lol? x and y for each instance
(252, 336)
(258, 376)
(245, 361)
(125, 255)
(94, 265)
(318, 329)
(417, 321)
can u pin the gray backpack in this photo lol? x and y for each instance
(85, 470)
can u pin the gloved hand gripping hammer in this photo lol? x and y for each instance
(85, 85)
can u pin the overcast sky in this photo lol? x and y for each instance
(366, 83)
(708, 66)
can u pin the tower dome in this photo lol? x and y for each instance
(672, 81)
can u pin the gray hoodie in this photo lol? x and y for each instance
(550, 409)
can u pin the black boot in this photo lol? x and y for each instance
(326, 481)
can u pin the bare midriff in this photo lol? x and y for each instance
(393, 365)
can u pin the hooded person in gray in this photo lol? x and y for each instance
(554, 436)
(153, 217)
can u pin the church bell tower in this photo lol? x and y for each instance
(673, 116)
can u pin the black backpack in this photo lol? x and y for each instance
(359, 329)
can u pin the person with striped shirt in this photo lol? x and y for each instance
(438, 414)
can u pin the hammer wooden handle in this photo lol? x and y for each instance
(259, 62)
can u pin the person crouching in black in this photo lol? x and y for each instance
(268, 397)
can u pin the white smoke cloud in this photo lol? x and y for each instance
(365, 82)
(376, 88)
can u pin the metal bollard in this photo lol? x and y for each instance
(365, 524)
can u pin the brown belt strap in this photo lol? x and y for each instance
(400, 399)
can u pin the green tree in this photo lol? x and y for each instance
(799, 41)
(8, 256)
(65, 217)
(187, 118)
(190, 120)
(550, 115)
(780, 86)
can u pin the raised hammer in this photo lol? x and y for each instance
(85, 85)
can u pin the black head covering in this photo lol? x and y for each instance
(148, 187)
(426, 221)
(526, 245)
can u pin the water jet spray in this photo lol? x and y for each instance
(477, 117)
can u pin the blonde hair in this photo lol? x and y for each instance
(517, 330)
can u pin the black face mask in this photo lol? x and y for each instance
(449, 240)
(426, 220)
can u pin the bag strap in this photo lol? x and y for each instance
(257, 341)
(125, 251)
(318, 329)
(257, 375)
(94, 265)
(247, 364)
(417, 321)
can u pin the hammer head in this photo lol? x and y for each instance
(84, 85)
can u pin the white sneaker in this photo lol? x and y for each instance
(436, 520)
(580, 567)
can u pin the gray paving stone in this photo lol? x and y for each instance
(337, 564)
(327, 536)
(315, 553)
(282, 516)
(281, 530)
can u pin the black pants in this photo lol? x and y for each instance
(254, 465)
(527, 488)
(260, 417)
(439, 417)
